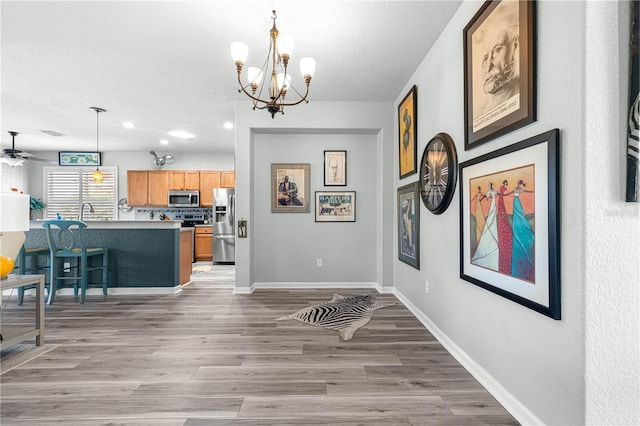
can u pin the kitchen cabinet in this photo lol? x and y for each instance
(184, 180)
(138, 188)
(228, 178)
(151, 187)
(204, 243)
(209, 179)
(158, 188)
(186, 254)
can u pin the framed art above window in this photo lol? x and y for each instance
(79, 158)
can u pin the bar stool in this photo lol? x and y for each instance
(32, 260)
(67, 242)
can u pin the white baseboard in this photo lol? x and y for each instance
(244, 290)
(308, 285)
(385, 289)
(518, 410)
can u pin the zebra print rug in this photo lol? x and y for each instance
(345, 314)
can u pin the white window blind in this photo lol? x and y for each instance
(67, 190)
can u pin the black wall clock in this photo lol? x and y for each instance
(438, 173)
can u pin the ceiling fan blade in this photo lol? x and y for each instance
(42, 160)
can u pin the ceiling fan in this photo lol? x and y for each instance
(161, 161)
(15, 157)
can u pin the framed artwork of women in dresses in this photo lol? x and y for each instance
(509, 222)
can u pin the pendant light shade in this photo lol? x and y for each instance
(97, 175)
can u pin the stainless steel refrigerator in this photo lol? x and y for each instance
(224, 240)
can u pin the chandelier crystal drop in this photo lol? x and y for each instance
(97, 175)
(277, 80)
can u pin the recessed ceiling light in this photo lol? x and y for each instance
(181, 134)
(228, 125)
(128, 125)
(164, 142)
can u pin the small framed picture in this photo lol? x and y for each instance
(242, 228)
(290, 188)
(409, 224)
(74, 158)
(407, 127)
(335, 168)
(338, 206)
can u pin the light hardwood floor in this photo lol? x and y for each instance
(208, 357)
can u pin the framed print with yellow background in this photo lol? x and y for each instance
(510, 222)
(499, 70)
(408, 127)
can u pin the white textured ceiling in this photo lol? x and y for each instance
(166, 65)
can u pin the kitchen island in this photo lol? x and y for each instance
(144, 256)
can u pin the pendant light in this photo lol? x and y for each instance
(97, 175)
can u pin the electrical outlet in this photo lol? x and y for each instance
(426, 286)
(67, 267)
(319, 262)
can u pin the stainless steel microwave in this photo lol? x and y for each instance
(184, 199)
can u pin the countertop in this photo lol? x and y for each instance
(122, 224)
(203, 226)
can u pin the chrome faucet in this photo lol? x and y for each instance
(82, 210)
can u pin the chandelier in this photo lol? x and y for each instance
(279, 82)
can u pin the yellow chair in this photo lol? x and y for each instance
(68, 243)
(32, 261)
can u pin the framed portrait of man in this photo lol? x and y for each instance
(290, 191)
(499, 70)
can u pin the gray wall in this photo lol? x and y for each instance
(354, 124)
(290, 243)
(584, 368)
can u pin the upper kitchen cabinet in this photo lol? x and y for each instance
(184, 180)
(158, 188)
(228, 179)
(151, 187)
(137, 187)
(209, 179)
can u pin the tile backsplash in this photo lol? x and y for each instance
(154, 213)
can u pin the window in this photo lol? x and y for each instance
(12, 177)
(66, 191)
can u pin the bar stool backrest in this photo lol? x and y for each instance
(65, 236)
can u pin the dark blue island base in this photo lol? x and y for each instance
(142, 255)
